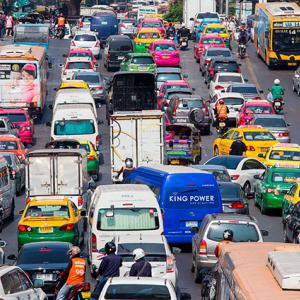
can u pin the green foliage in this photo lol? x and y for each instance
(175, 13)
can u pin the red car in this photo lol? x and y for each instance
(207, 41)
(21, 118)
(254, 107)
(10, 143)
(82, 53)
(153, 23)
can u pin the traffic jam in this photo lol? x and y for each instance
(145, 155)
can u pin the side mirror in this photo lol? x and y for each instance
(239, 64)
(264, 232)
(97, 65)
(261, 155)
(185, 296)
(193, 89)
(92, 185)
(185, 76)
(48, 124)
(21, 212)
(50, 65)
(55, 89)
(17, 126)
(3, 244)
(83, 213)
(50, 106)
(28, 146)
(192, 19)
(61, 65)
(99, 122)
(38, 283)
(176, 250)
(11, 257)
(256, 177)
(288, 124)
(195, 230)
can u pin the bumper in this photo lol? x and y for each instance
(271, 201)
(26, 137)
(285, 139)
(205, 262)
(179, 238)
(167, 62)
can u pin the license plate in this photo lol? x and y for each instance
(143, 68)
(85, 295)
(292, 64)
(46, 277)
(181, 120)
(191, 224)
(277, 104)
(165, 56)
(46, 229)
(264, 149)
(175, 162)
(183, 43)
(222, 124)
(120, 57)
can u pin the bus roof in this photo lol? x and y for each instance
(22, 52)
(282, 10)
(247, 264)
(169, 169)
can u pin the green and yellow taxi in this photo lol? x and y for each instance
(271, 188)
(291, 199)
(219, 29)
(145, 37)
(138, 62)
(46, 219)
(92, 159)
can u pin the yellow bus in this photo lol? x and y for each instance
(23, 78)
(277, 33)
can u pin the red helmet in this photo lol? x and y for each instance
(221, 101)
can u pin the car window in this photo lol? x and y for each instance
(235, 135)
(252, 164)
(6, 145)
(230, 79)
(229, 162)
(74, 208)
(285, 177)
(17, 284)
(90, 78)
(142, 60)
(79, 65)
(25, 283)
(117, 45)
(85, 38)
(270, 122)
(233, 101)
(47, 211)
(215, 41)
(258, 136)
(227, 135)
(228, 66)
(162, 77)
(219, 52)
(7, 283)
(15, 117)
(292, 191)
(285, 155)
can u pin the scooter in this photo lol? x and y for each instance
(278, 105)
(242, 50)
(60, 32)
(222, 127)
(183, 43)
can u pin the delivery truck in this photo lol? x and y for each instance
(137, 135)
(59, 172)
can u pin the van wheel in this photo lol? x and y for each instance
(247, 188)
(263, 210)
(12, 212)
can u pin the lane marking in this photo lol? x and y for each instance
(252, 73)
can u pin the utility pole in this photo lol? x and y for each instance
(227, 8)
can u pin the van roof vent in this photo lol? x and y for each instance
(282, 9)
(285, 267)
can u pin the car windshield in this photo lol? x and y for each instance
(128, 21)
(74, 127)
(229, 191)
(233, 101)
(215, 30)
(7, 145)
(214, 41)
(162, 77)
(79, 65)
(270, 122)
(85, 38)
(88, 78)
(229, 67)
(229, 162)
(117, 45)
(286, 39)
(137, 291)
(189, 104)
(154, 251)
(152, 24)
(241, 232)
(220, 175)
(128, 219)
(81, 54)
(258, 109)
(207, 15)
(86, 19)
(15, 117)
(230, 78)
(285, 177)
(47, 211)
(218, 52)
(244, 89)
(142, 60)
(164, 47)
(258, 136)
(148, 35)
(290, 155)
(44, 255)
(178, 94)
(167, 87)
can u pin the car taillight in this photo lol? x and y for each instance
(207, 61)
(51, 139)
(122, 26)
(99, 88)
(67, 227)
(97, 141)
(211, 71)
(97, 44)
(206, 110)
(272, 191)
(108, 56)
(80, 201)
(27, 200)
(250, 148)
(238, 70)
(65, 72)
(234, 177)
(256, 98)
(81, 24)
(90, 157)
(73, 43)
(94, 243)
(196, 22)
(283, 134)
(219, 87)
(20, 156)
(170, 264)
(175, 55)
(13, 174)
(24, 228)
(236, 205)
(202, 248)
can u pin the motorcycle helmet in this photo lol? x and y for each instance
(110, 247)
(276, 81)
(221, 101)
(138, 254)
(128, 163)
(228, 235)
(74, 250)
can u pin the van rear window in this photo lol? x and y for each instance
(74, 127)
(131, 218)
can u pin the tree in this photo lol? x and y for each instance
(175, 13)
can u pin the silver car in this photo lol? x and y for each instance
(245, 229)
(127, 26)
(296, 81)
(276, 124)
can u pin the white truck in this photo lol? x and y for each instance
(138, 135)
(58, 172)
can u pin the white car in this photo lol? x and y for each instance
(87, 40)
(14, 284)
(85, 23)
(241, 169)
(141, 288)
(234, 102)
(158, 254)
(222, 80)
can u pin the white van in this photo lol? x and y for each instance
(74, 96)
(75, 121)
(120, 209)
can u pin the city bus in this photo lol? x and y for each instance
(277, 33)
(23, 78)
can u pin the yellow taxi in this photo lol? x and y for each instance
(146, 36)
(67, 84)
(47, 219)
(289, 154)
(257, 139)
(290, 199)
(219, 29)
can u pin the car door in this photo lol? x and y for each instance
(212, 85)
(6, 191)
(21, 169)
(249, 169)
(105, 51)
(293, 223)
(226, 142)
(259, 186)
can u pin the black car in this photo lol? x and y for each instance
(43, 260)
(291, 225)
(116, 48)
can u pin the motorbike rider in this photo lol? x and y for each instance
(61, 22)
(238, 147)
(182, 32)
(141, 267)
(277, 90)
(243, 35)
(221, 111)
(75, 272)
(170, 30)
(127, 169)
(109, 267)
(227, 238)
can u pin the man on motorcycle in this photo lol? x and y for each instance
(277, 90)
(183, 32)
(61, 23)
(170, 30)
(221, 111)
(75, 272)
(141, 267)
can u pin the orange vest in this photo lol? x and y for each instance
(61, 21)
(222, 111)
(77, 271)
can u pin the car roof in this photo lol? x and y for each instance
(244, 84)
(218, 48)
(88, 73)
(229, 74)
(222, 58)
(267, 116)
(119, 37)
(135, 54)
(209, 167)
(164, 42)
(228, 217)
(258, 102)
(13, 110)
(175, 82)
(38, 245)
(168, 70)
(211, 35)
(234, 185)
(230, 94)
(86, 33)
(236, 158)
(8, 137)
(149, 30)
(79, 59)
(138, 280)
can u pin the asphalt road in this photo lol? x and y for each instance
(252, 68)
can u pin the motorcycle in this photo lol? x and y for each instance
(183, 43)
(60, 32)
(222, 127)
(171, 37)
(242, 50)
(278, 105)
(80, 291)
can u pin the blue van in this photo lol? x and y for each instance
(185, 196)
(105, 24)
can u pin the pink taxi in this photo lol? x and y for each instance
(80, 52)
(254, 107)
(207, 41)
(165, 53)
(20, 118)
(153, 23)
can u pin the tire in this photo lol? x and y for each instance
(12, 212)
(285, 238)
(263, 210)
(197, 275)
(295, 240)
(216, 151)
(298, 91)
(247, 188)
(96, 176)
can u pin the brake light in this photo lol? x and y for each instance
(238, 204)
(206, 109)
(234, 177)
(272, 191)
(97, 44)
(219, 87)
(196, 22)
(283, 134)
(207, 61)
(80, 201)
(202, 248)
(256, 98)
(24, 228)
(94, 243)
(212, 72)
(81, 24)
(97, 141)
(170, 264)
(122, 26)
(238, 70)
(99, 88)
(86, 287)
(73, 44)
(65, 72)
(13, 174)
(67, 227)
(250, 148)
(108, 56)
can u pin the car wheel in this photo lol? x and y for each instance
(295, 241)
(12, 212)
(294, 89)
(247, 188)
(193, 265)
(216, 151)
(298, 91)
(197, 275)
(96, 176)
(263, 210)
(285, 237)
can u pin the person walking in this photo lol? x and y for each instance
(9, 24)
(238, 147)
(141, 267)
(2, 25)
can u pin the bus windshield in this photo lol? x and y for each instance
(286, 39)
(32, 34)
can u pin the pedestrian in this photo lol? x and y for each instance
(141, 267)
(2, 25)
(9, 23)
(238, 147)
(232, 27)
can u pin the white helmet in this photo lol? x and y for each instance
(138, 254)
(276, 81)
